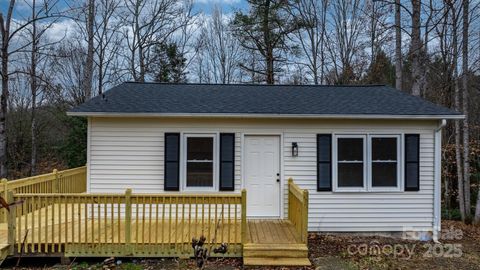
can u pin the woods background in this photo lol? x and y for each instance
(56, 54)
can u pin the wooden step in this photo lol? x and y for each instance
(276, 261)
(4, 250)
(275, 254)
(275, 250)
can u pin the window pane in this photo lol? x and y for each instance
(350, 174)
(199, 174)
(384, 174)
(384, 148)
(199, 148)
(350, 149)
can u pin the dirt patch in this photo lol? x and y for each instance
(459, 249)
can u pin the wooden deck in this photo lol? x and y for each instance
(79, 230)
(50, 215)
(274, 242)
(268, 241)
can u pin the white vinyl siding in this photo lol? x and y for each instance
(128, 153)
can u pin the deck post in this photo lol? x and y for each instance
(12, 223)
(305, 216)
(3, 190)
(128, 219)
(55, 181)
(244, 217)
(289, 199)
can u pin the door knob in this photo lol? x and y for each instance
(278, 177)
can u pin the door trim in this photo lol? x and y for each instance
(281, 159)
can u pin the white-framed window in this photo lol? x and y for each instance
(200, 162)
(350, 162)
(367, 162)
(385, 163)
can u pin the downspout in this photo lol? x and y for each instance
(437, 181)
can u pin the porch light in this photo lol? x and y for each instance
(294, 149)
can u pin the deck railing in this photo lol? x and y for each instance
(67, 181)
(126, 224)
(298, 209)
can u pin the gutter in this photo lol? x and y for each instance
(268, 115)
(437, 214)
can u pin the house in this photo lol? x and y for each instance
(369, 156)
(251, 168)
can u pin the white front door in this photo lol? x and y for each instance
(262, 175)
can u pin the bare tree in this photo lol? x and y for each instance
(415, 48)
(149, 23)
(311, 36)
(108, 41)
(10, 36)
(398, 46)
(345, 45)
(458, 154)
(88, 73)
(68, 66)
(378, 30)
(221, 48)
(37, 78)
(466, 129)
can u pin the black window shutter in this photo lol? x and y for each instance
(172, 161)
(227, 161)
(324, 162)
(412, 162)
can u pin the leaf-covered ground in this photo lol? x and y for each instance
(459, 249)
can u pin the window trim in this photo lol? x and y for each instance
(335, 187)
(183, 179)
(399, 186)
(367, 165)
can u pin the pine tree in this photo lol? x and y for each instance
(169, 64)
(265, 29)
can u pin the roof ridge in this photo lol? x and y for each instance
(259, 84)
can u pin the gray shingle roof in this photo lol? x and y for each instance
(159, 98)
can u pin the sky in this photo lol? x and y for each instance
(62, 28)
(205, 6)
(227, 6)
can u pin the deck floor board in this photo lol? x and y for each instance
(271, 231)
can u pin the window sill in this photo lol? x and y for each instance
(370, 190)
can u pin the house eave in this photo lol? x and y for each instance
(259, 115)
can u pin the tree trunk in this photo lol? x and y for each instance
(477, 211)
(141, 59)
(466, 140)
(88, 74)
(268, 44)
(5, 35)
(322, 41)
(3, 111)
(458, 152)
(270, 72)
(398, 47)
(33, 88)
(415, 48)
